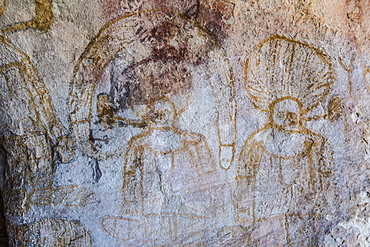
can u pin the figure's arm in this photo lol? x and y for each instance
(200, 152)
(326, 165)
(246, 168)
(43, 102)
(63, 143)
(207, 182)
(327, 183)
(248, 160)
(131, 179)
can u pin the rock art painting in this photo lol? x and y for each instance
(167, 184)
(112, 85)
(119, 107)
(284, 169)
(184, 123)
(32, 139)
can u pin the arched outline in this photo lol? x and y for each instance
(83, 86)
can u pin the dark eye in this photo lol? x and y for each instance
(292, 115)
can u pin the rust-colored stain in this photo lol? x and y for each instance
(216, 16)
(110, 8)
(163, 73)
(164, 78)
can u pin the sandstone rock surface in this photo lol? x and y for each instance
(184, 123)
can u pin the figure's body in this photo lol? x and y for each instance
(113, 84)
(27, 127)
(168, 174)
(282, 172)
(285, 174)
(31, 140)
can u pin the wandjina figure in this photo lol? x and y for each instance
(285, 170)
(170, 178)
(29, 128)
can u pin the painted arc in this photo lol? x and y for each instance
(132, 43)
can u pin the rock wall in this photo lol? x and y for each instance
(185, 123)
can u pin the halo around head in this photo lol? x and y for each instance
(280, 67)
(132, 43)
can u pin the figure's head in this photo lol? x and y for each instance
(161, 113)
(285, 113)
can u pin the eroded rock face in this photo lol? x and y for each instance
(184, 123)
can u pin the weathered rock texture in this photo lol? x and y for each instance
(184, 123)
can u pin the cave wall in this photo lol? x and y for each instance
(185, 123)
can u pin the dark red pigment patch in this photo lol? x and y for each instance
(111, 8)
(215, 17)
(164, 73)
(164, 33)
(188, 7)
